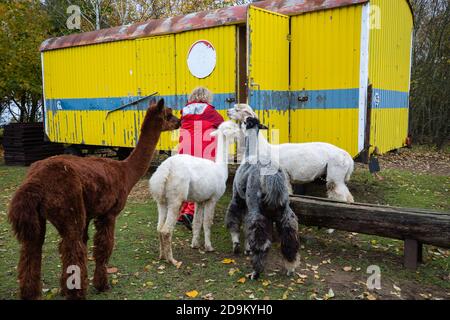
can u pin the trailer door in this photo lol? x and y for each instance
(268, 70)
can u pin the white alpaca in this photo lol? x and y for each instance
(305, 162)
(186, 178)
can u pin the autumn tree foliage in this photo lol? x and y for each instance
(24, 25)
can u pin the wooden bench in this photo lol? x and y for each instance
(414, 226)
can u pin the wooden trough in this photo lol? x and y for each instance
(414, 226)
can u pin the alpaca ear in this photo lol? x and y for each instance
(160, 105)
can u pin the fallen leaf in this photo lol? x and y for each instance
(371, 297)
(114, 281)
(192, 294)
(112, 270)
(330, 294)
(242, 280)
(347, 269)
(285, 295)
(233, 271)
(265, 283)
(396, 288)
(148, 284)
(228, 261)
(208, 296)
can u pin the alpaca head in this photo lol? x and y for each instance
(253, 123)
(169, 121)
(228, 129)
(240, 112)
(252, 127)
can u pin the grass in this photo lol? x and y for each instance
(323, 257)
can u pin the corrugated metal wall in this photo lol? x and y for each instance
(321, 104)
(325, 69)
(268, 70)
(390, 72)
(156, 72)
(83, 83)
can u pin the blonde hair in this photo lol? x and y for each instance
(201, 94)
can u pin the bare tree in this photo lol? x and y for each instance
(430, 89)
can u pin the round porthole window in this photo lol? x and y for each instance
(201, 59)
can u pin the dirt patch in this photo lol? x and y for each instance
(140, 192)
(421, 161)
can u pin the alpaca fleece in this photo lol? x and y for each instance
(71, 191)
(305, 162)
(186, 178)
(261, 198)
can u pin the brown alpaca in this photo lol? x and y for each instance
(69, 192)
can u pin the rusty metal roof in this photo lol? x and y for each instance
(193, 21)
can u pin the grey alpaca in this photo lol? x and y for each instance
(260, 198)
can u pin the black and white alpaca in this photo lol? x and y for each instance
(261, 198)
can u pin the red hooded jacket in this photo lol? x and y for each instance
(198, 120)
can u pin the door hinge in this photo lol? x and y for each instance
(289, 37)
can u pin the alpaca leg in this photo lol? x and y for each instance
(162, 214)
(103, 247)
(197, 225)
(247, 249)
(233, 220)
(208, 219)
(259, 240)
(29, 268)
(86, 233)
(287, 227)
(74, 279)
(167, 231)
(337, 190)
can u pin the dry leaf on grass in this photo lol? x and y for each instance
(329, 295)
(265, 283)
(232, 271)
(192, 294)
(112, 270)
(396, 288)
(228, 261)
(347, 269)
(242, 280)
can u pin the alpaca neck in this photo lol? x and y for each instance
(138, 161)
(251, 146)
(264, 146)
(222, 154)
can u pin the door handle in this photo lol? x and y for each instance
(230, 100)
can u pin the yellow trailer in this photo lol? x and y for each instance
(336, 71)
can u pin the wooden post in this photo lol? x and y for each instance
(412, 254)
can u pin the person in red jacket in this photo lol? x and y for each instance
(198, 119)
